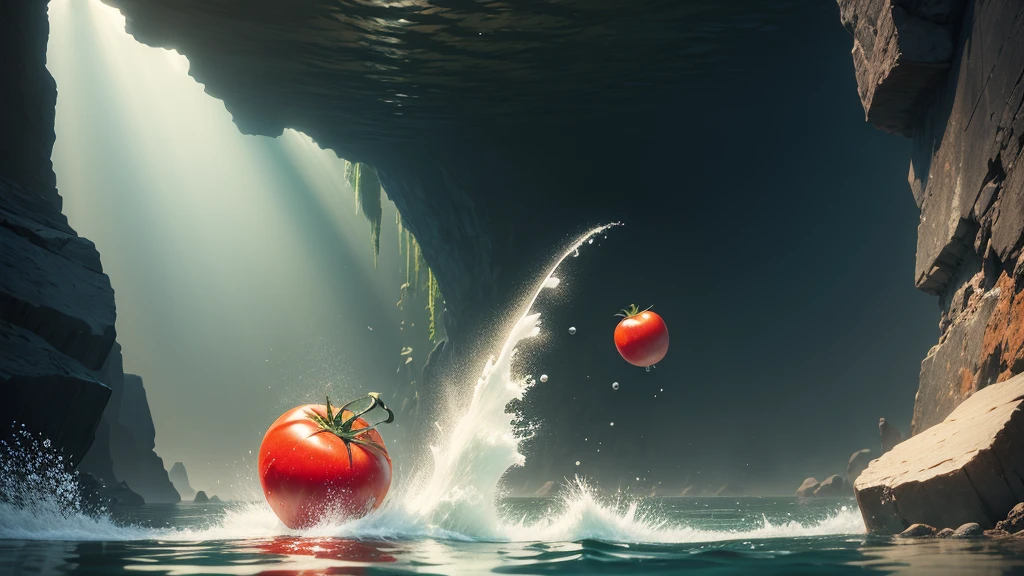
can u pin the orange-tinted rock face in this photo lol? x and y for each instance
(1003, 344)
(957, 90)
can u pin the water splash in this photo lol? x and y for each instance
(454, 500)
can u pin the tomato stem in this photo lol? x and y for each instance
(633, 310)
(337, 424)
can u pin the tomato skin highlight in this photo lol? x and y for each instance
(642, 339)
(309, 474)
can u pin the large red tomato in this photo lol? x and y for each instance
(316, 463)
(641, 337)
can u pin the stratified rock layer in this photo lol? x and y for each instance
(949, 74)
(56, 304)
(969, 468)
(47, 392)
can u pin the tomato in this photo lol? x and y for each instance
(641, 337)
(318, 462)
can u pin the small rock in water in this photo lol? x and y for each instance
(1014, 520)
(918, 531)
(543, 377)
(944, 533)
(969, 530)
(591, 241)
(807, 489)
(615, 385)
(572, 330)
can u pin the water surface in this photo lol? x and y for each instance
(729, 536)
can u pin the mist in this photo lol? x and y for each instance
(245, 279)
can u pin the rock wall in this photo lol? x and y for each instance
(56, 304)
(125, 438)
(59, 364)
(950, 75)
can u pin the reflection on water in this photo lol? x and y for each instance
(296, 555)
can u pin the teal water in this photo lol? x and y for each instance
(190, 539)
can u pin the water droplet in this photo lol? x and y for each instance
(578, 463)
(591, 241)
(543, 377)
(612, 424)
(661, 389)
(648, 369)
(572, 330)
(615, 385)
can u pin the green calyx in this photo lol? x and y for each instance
(633, 310)
(336, 423)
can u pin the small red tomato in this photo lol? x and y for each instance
(315, 463)
(641, 337)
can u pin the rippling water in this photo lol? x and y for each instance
(730, 536)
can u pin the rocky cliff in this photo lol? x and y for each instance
(59, 364)
(125, 439)
(950, 75)
(56, 304)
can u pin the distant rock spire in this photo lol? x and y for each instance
(179, 477)
(890, 435)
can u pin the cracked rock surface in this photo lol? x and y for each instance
(969, 468)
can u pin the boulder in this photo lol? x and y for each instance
(918, 531)
(831, 487)
(859, 461)
(966, 469)
(945, 533)
(201, 498)
(1014, 520)
(807, 489)
(968, 530)
(179, 477)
